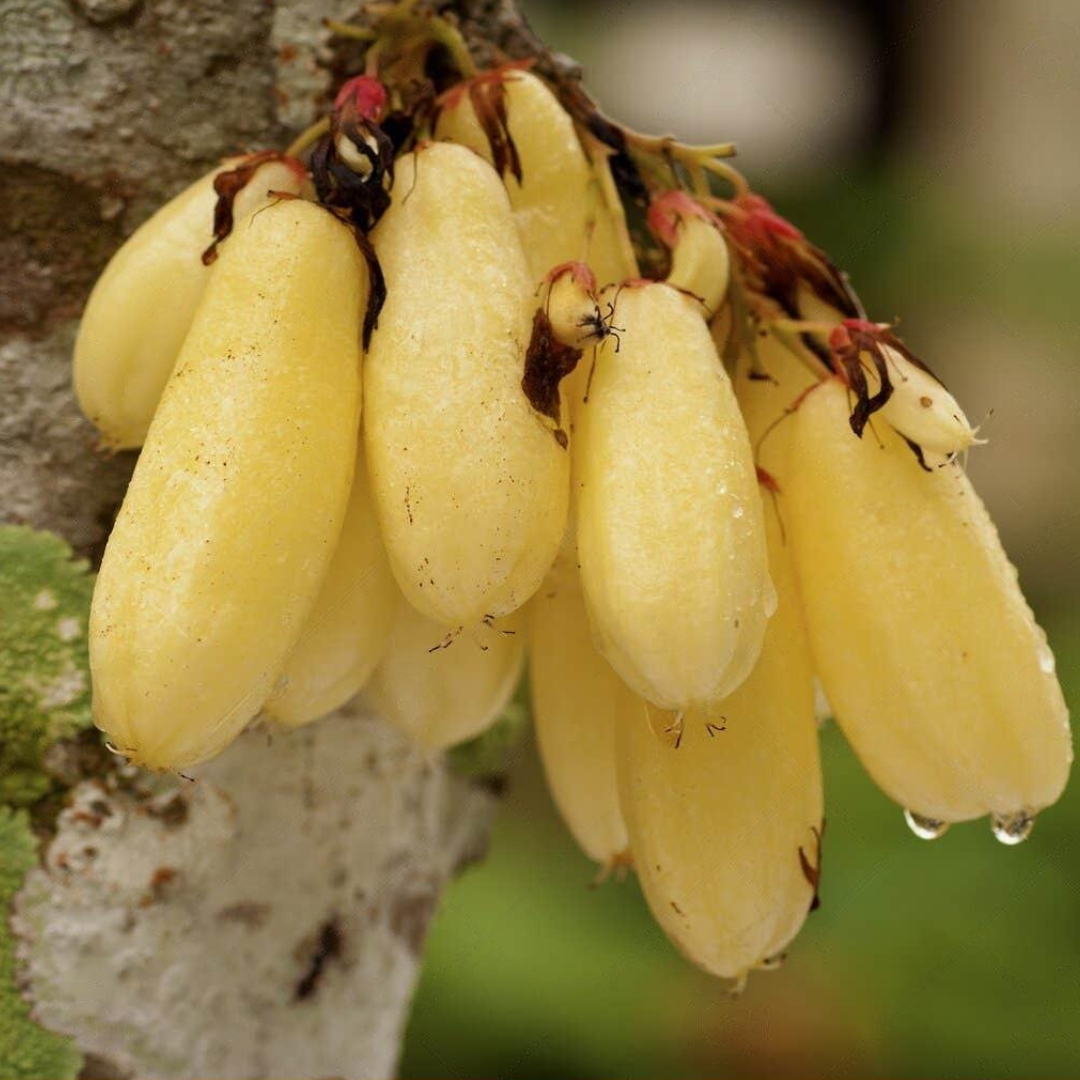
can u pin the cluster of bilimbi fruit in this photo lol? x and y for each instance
(680, 522)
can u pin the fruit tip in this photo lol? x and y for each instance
(579, 272)
(667, 212)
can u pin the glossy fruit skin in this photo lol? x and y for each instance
(926, 648)
(234, 510)
(716, 825)
(578, 702)
(348, 630)
(141, 308)
(669, 526)
(557, 204)
(470, 485)
(442, 685)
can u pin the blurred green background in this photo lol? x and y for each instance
(934, 150)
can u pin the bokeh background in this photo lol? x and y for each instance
(934, 150)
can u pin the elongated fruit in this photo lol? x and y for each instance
(558, 208)
(578, 701)
(767, 403)
(470, 484)
(928, 653)
(229, 524)
(442, 685)
(700, 264)
(670, 537)
(349, 627)
(725, 830)
(142, 305)
(611, 251)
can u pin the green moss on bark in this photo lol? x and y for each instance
(27, 1051)
(487, 756)
(44, 668)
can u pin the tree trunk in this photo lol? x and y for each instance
(267, 919)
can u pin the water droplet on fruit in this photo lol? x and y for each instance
(1047, 663)
(925, 828)
(770, 601)
(1012, 829)
(737, 512)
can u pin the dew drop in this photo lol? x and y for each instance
(925, 828)
(1012, 829)
(770, 601)
(1047, 663)
(737, 512)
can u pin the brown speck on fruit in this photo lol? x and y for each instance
(547, 362)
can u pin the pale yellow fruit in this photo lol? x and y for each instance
(231, 519)
(559, 212)
(670, 537)
(700, 263)
(921, 409)
(470, 483)
(929, 655)
(572, 307)
(767, 403)
(578, 701)
(348, 629)
(717, 824)
(143, 303)
(813, 308)
(442, 685)
(611, 251)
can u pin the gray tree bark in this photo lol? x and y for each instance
(266, 920)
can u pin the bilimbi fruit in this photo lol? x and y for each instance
(141, 308)
(418, 398)
(229, 524)
(928, 653)
(348, 629)
(470, 486)
(579, 705)
(443, 685)
(558, 201)
(726, 828)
